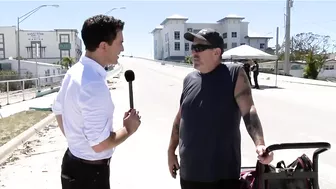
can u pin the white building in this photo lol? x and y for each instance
(53, 45)
(297, 68)
(169, 43)
(30, 68)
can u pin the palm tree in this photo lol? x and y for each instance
(67, 62)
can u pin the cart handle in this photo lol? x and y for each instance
(320, 145)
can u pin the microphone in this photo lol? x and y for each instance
(129, 76)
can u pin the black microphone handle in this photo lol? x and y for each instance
(131, 94)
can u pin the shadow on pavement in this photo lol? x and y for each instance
(263, 87)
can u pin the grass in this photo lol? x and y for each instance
(15, 124)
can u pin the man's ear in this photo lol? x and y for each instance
(218, 51)
(103, 45)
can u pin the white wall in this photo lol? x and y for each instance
(330, 72)
(255, 42)
(230, 25)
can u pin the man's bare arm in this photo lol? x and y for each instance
(115, 139)
(60, 123)
(174, 139)
(243, 96)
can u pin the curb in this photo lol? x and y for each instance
(7, 149)
(40, 94)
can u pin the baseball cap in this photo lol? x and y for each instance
(209, 35)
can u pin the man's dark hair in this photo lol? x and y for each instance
(100, 28)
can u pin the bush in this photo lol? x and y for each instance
(311, 70)
(188, 60)
(13, 86)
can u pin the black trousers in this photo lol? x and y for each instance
(76, 174)
(220, 184)
(255, 78)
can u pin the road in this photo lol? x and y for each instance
(290, 113)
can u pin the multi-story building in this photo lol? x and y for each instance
(169, 43)
(43, 46)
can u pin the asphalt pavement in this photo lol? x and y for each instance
(289, 113)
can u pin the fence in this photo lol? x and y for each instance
(17, 90)
(12, 91)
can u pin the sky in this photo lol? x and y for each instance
(141, 17)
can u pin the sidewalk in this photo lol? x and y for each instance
(41, 102)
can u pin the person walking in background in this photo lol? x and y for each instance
(255, 69)
(247, 69)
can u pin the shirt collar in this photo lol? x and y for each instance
(95, 65)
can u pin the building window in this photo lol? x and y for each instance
(177, 46)
(262, 45)
(329, 67)
(186, 47)
(224, 35)
(65, 53)
(225, 45)
(64, 38)
(166, 37)
(2, 54)
(35, 52)
(189, 29)
(2, 46)
(177, 35)
(234, 45)
(234, 34)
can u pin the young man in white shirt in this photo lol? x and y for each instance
(84, 108)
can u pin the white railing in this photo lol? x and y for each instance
(13, 91)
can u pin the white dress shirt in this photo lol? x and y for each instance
(86, 106)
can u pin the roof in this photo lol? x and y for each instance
(157, 28)
(174, 17)
(54, 30)
(259, 37)
(231, 16)
(29, 62)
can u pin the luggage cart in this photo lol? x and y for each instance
(263, 176)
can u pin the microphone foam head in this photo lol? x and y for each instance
(129, 75)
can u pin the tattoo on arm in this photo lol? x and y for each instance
(243, 96)
(254, 127)
(244, 85)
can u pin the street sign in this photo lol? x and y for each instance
(64, 46)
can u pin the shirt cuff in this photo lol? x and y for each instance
(57, 108)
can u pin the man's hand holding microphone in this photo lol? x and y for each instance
(131, 118)
(131, 121)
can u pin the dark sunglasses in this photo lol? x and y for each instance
(201, 47)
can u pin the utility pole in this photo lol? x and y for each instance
(288, 37)
(277, 54)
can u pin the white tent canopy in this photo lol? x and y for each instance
(247, 52)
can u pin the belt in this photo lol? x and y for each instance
(92, 162)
